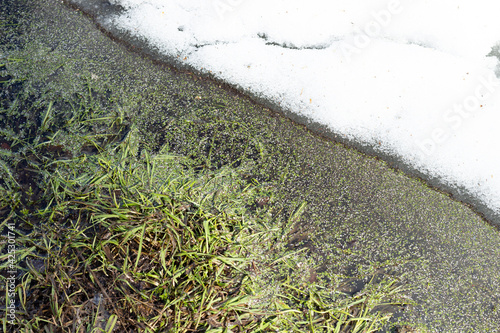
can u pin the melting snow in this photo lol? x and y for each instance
(411, 77)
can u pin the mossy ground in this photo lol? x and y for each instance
(363, 223)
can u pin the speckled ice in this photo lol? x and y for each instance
(411, 77)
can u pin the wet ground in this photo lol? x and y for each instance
(363, 219)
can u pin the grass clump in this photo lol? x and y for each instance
(144, 245)
(126, 248)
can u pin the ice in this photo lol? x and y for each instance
(411, 78)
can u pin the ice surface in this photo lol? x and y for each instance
(410, 77)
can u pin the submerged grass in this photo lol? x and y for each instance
(143, 245)
(124, 240)
(100, 234)
(123, 247)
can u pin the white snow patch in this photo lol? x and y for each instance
(410, 76)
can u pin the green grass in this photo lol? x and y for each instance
(112, 236)
(143, 244)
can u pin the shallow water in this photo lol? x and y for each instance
(361, 213)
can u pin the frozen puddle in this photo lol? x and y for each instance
(416, 80)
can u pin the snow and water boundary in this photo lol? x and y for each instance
(102, 11)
